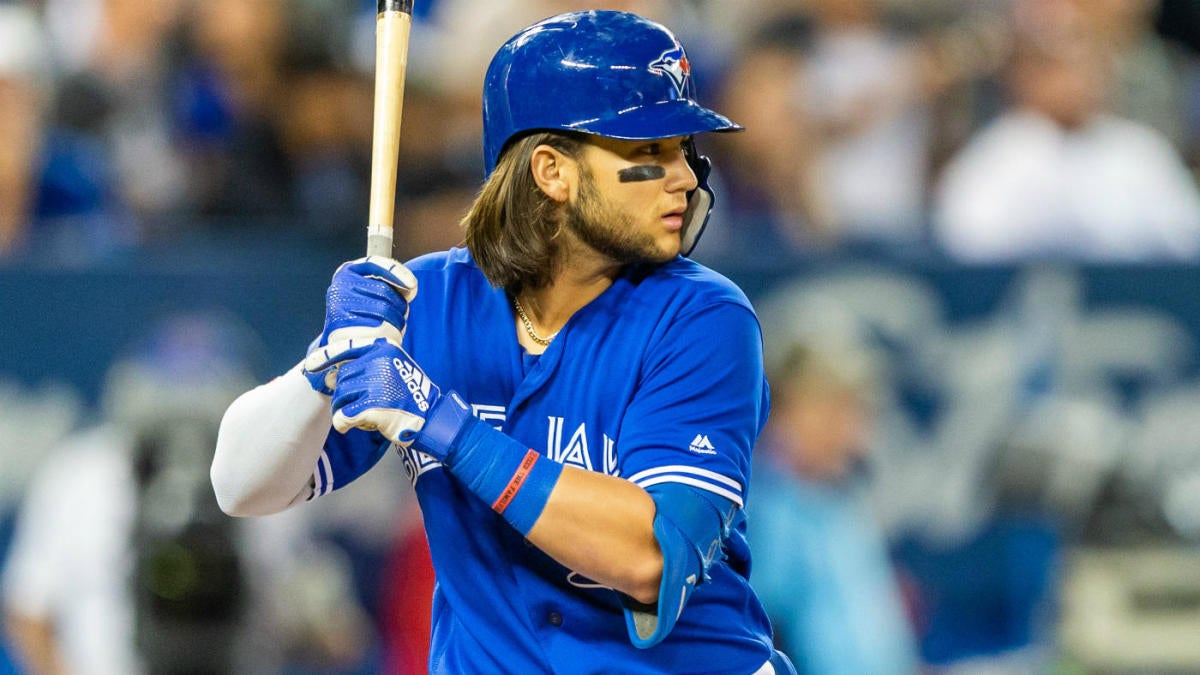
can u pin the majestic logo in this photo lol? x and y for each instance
(674, 64)
(702, 446)
(418, 385)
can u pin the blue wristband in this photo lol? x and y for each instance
(513, 479)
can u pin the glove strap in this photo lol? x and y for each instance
(443, 426)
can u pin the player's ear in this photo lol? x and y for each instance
(553, 171)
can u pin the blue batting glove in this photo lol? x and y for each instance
(367, 299)
(381, 388)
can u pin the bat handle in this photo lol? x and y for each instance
(379, 244)
(391, 58)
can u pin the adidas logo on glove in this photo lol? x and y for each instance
(418, 385)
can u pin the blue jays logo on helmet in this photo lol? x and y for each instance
(673, 64)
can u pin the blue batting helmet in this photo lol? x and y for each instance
(606, 73)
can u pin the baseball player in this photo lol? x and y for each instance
(574, 399)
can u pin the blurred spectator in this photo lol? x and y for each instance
(742, 20)
(115, 64)
(1056, 176)
(22, 103)
(57, 406)
(229, 89)
(820, 559)
(324, 123)
(862, 88)
(436, 181)
(948, 395)
(841, 98)
(473, 31)
(766, 195)
(1149, 72)
(123, 563)
(57, 190)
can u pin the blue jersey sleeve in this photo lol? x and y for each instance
(701, 403)
(345, 457)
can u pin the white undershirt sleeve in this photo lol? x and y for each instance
(268, 445)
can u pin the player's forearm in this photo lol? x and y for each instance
(598, 525)
(602, 527)
(268, 443)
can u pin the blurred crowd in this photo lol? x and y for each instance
(922, 480)
(989, 130)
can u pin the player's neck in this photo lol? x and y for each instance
(550, 307)
(581, 276)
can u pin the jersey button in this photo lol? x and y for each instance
(554, 618)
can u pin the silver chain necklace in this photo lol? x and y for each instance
(529, 330)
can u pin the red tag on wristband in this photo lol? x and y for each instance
(515, 483)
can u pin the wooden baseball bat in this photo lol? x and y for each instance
(392, 26)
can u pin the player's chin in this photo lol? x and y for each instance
(660, 254)
(671, 248)
(668, 247)
(654, 250)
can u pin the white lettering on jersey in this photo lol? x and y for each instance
(610, 457)
(415, 462)
(494, 415)
(553, 437)
(576, 451)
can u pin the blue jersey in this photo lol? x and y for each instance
(659, 379)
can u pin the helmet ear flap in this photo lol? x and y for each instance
(700, 200)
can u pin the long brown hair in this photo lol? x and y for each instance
(512, 228)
